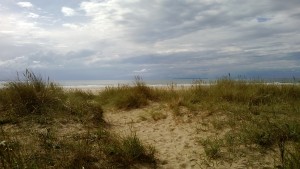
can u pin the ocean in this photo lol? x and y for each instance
(92, 84)
(114, 83)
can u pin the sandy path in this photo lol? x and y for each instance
(174, 140)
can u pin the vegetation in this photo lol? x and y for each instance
(128, 97)
(54, 128)
(253, 117)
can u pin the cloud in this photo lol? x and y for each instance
(69, 25)
(68, 11)
(25, 4)
(141, 71)
(33, 15)
(171, 38)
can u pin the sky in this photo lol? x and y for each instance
(155, 39)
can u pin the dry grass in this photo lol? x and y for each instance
(43, 126)
(259, 119)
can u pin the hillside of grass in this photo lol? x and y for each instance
(45, 126)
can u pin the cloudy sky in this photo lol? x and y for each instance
(157, 39)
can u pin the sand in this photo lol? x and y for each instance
(174, 140)
(177, 139)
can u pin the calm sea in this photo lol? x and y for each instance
(155, 83)
(115, 83)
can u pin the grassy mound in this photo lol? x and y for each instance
(53, 128)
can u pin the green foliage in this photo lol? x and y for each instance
(212, 148)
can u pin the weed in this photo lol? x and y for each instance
(157, 116)
(212, 148)
(126, 151)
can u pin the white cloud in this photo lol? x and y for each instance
(25, 4)
(141, 71)
(69, 25)
(68, 11)
(33, 15)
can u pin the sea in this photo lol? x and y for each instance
(93, 84)
(98, 84)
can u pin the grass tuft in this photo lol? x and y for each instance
(30, 94)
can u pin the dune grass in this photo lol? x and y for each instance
(30, 94)
(128, 97)
(258, 116)
(53, 128)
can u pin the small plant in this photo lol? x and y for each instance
(157, 116)
(126, 151)
(212, 148)
(134, 150)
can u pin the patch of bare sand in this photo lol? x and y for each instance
(174, 140)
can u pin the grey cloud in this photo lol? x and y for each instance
(150, 21)
(120, 38)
